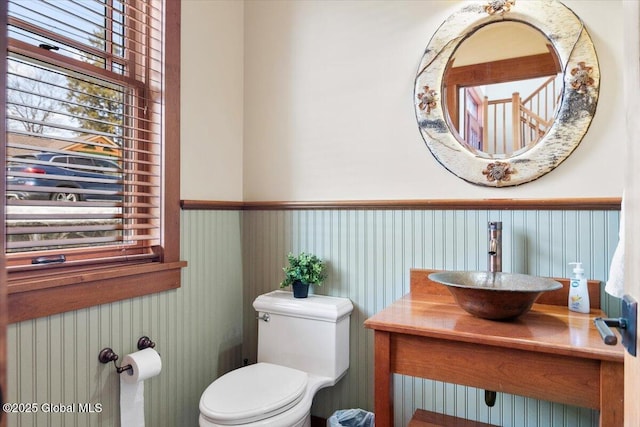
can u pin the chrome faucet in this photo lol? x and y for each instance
(495, 266)
(495, 246)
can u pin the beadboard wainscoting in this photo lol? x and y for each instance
(208, 326)
(197, 330)
(369, 254)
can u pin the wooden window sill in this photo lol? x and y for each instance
(46, 294)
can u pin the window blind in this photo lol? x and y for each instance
(84, 146)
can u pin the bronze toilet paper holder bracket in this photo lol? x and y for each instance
(107, 355)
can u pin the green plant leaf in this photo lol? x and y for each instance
(305, 267)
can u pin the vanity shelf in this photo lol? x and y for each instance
(422, 418)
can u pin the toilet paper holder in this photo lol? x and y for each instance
(107, 355)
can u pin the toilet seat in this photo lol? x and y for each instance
(253, 393)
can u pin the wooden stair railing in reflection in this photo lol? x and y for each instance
(530, 120)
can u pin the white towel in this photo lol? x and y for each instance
(615, 284)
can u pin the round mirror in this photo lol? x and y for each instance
(505, 91)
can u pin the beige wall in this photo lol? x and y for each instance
(320, 107)
(212, 100)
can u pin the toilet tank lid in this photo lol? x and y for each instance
(318, 307)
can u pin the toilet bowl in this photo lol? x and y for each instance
(260, 395)
(303, 346)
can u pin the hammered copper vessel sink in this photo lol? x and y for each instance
(495, 296)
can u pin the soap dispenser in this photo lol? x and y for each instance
(578, 290)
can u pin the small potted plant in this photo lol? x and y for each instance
(303, 270)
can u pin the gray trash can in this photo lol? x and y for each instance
(351, 418)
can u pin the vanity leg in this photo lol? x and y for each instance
(383, 389)
(611, 394)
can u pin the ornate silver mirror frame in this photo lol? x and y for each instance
(578, 61)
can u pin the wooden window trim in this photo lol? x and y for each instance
(38, 294)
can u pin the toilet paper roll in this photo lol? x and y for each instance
(145, 364)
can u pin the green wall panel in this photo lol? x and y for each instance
(197, 330)
(207, 327)
(370, 253)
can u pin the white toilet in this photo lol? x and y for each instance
(303, 346)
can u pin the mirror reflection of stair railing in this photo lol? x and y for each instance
(505, 130)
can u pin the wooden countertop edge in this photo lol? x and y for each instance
(615, 354)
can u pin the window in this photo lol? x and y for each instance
(92, 114)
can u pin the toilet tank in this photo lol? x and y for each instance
(310, 334)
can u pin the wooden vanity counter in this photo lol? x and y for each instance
(550, 353)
